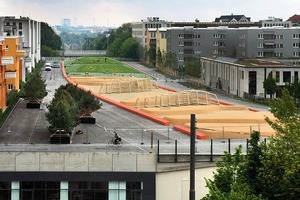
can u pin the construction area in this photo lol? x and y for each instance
(214, 119)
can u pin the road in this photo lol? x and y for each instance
(27, 129)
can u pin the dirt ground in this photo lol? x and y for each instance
(216, 121)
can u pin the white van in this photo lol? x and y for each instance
(47, 66)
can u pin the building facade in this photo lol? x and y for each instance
(265, 42)
(246, 77)
(139, 29)
(30, 32)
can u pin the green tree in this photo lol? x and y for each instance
(270, 85)
(294, 89)
(280, 171)
(171, 60)
(86, 102)
(159, 58)
(227, 183)
(130, 48)
(35, 87)
(251, 166)
(193, 67)
(50, 41)
(152, 55)
(62, 112)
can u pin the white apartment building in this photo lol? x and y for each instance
(30, 34)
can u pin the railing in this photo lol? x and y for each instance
(174, 151)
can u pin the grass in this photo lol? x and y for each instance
(98, 65)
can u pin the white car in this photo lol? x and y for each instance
(47, 66)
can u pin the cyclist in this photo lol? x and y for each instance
(117, 138)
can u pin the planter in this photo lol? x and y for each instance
(60, 137)
(87, 119)
(33, 104)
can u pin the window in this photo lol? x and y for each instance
(296, 36)
(20, 33)
(215, 36)
(181, 36)
(197, 52)
(180, 51)
(296, 45)
(242, 53)
(242, 44)
(20, 26)
(180, 59)
(163, 35)
(180, 43)
(279, 36)
(296, 76)
(260, 54)
(279, 45)
(260, 36)
(215, 43)
(242, 36)
(277, 76)
(260, 45)
(286, 77)
(10, 86)
(295, 54)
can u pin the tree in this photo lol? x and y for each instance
(50, 41)
(280, 171)
(270, 85)
(159, 58)
(86, 102)
(250, 169)
(62, 112)
(130, 48)
(227, 183)
(35, 87)
(193, 67)
(294, 89)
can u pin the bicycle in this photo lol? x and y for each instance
(115, 142)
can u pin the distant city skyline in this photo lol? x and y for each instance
(114, 13)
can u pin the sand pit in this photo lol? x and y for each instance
(214, 119)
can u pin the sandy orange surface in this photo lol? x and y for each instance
(216, 121)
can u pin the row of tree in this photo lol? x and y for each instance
(271, 170)
(68, 105)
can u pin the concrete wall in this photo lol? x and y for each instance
(176, 185)
(76, 161)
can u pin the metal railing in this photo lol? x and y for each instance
(205, 150)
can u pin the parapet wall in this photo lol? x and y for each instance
(76, 161)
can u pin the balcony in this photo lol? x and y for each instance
(7, 60)
(10, 74)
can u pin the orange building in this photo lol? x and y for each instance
(13, 73)
(10, 67)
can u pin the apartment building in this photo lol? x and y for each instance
(14, 71)
(250, 42)
(139, 29)
(30, 33)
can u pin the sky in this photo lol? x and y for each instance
(114, 13)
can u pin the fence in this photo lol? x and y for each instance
(171, 151)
